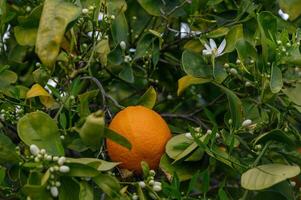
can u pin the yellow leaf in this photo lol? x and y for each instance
(38, 91)
(187, 81)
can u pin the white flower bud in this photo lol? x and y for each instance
(135, 197)
(226, 65)
(28, 9)
(152, 172)
(293, 183)
(43, 151)
(233, 71)
(57, 184)
(62, 137)
(49, 157)
(142, 184)
(248, 84)
(34, 149)
(113, 17)
(85, 11)
(246, 123)
(56, 168)
(61, 160)
(209, 131)
(54, 191)
(151, 182)
(238, 61)
(123, 45)
(36, 159)
(51, 169)
(157, 183)
(189, 136)
(64, 169)
(157, 188)
(55, 158)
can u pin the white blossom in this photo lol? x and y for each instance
(185, 31)
(283, 15)
(85, 11)
(212, 48)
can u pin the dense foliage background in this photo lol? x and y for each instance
(223, 73)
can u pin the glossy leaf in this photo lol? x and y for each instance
(151, 6)
(120, 29)
(194, 65)
(127, 74)
(86, 191)
(56, 15)
(294, 95)
(103, 49)
(108, 184)
(7, 150)
(274, 135)
(25, 36)
(184, 170)
(276, 82)
(235, 34)
(179, 147)
(265, 176)
(39, 129)
(119, 139)
(7, 77)
(98, 164)
(187, 81)
(148, 99)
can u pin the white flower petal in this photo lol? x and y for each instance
(280, 12)
(208, 47)
(221, 47)
(184, 30)
(207, 52)
(212, 44)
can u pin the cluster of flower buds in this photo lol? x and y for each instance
(39, 155)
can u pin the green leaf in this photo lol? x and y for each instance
(81, 170)
(119, 139)
(235, 106)
(93, 130)
(179, 147)
(84, 99)
(236, 33)
(144, 45)
(36, 192)
(274, 135)
(120, 29)
(69, 189)
(194, 65)
(127, 74)
(265, 176)
(221, 31)
(8, 153)
(39, 129)
(25, 36)
(56, 15)
(291, 7)
(86, 191)
(2, 174)
(294, 95)
(187, 81)
(184, 170)
(7, 77)
(151, 6)
(109, 184)
(98, 164)
(245, 50)
(276, 82)
(148, 99)
(103, 49)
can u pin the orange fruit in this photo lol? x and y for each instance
(148, 133)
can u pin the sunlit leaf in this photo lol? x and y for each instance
(148, 99)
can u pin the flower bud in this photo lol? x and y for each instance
(34, 149)
(246, 123)
(64, 169)
(142, 184)
(61, 160)
(123, 45)
(157, 188)
(54, 191)
(85, 11)
(189, 136)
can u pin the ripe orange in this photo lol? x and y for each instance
(148, 134)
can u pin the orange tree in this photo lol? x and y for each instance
(223, 74)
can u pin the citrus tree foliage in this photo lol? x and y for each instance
(223, 73)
